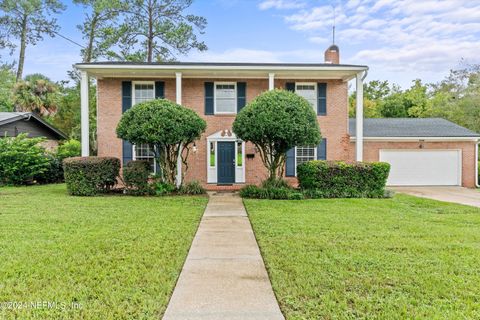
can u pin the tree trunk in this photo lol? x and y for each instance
(23, 46)
(150, 33)
(89, 49)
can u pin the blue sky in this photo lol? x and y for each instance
(398, 40)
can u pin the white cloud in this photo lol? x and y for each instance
(280, 4)
(407, 36)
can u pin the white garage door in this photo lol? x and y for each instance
(423, 167)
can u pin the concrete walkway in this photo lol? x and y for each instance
(460, 195)
(224, 276)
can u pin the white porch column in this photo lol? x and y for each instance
(178, 89)
(271, 81)
(178, 77)
(84, 113)
(359, 118)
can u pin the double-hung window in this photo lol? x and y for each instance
(144, 91)
(309, 92)
(304, 154)
(225, 97)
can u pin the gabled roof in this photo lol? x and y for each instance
(111, 69)
(411, 128)
(9, 117)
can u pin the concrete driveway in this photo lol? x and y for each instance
(460, 195)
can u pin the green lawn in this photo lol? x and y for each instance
(397, 258)
(110, 257)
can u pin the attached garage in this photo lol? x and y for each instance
(423, 167)
(421, 152)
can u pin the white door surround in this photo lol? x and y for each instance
(225, 135)
(425, 167)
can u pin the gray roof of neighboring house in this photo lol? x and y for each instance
(9, 117)
(411, 127)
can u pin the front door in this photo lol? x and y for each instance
(226, 162)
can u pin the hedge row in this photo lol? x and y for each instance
(88, 176)
(337, 179)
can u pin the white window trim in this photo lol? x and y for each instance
(134, 157)
(315, 149)
(141, 82)
(134, 153)
(315, 85)
(214, 154)
(215, 97)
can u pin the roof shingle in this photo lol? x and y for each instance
(410, 127)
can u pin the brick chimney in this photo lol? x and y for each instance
(332, 55)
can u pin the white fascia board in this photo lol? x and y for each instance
(399, 139)
(219, 67)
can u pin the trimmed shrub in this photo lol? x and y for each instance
(135, 175)
(21, 159)
(275, 183)
(89, 176)
(274, 193)
(54, 172)
(192, 188)
(164, 188)
(337, 179)
(276, 121)
(70, 148)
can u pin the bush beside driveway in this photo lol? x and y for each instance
(397, 258)
(109, 257)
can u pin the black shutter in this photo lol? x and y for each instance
(241, 95)
(322, 150)
(159, 90)
(290, 86)
(208, 97)
(126, 104)
(322, 99)
(290, 163)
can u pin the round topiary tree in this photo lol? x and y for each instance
(275, 122)
(169, 127)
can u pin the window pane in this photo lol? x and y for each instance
(212, 154)
(144, 92)
(145, 152)
(225, 98)
(308, 92)
(304, 154)
(226, 105)
(239, 154)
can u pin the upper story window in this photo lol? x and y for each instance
(309, 92)
(143, 91)
(225, 97)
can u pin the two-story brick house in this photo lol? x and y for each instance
(217, 91)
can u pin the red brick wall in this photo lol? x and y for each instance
(371, 152)
(333, 125)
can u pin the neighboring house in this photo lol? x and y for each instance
(14, 123)
(218, 91)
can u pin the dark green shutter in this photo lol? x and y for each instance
(241, 95)
(159, 90)
(126, 104)
(290, 163)
(322, 99)
(290, 86)
(322, 150)
(209, 98)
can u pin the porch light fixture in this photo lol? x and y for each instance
(194, 147)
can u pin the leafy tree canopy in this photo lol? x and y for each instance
(275, 122)
(169, 127)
